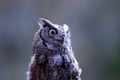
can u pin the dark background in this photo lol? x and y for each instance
(94, 25)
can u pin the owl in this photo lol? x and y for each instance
(53, 58)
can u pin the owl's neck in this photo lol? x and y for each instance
(65, 48)
(40, 46)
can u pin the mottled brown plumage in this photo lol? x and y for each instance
(52, 58)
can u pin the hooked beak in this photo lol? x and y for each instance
(60, 39)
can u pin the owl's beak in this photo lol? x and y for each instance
(60, 39)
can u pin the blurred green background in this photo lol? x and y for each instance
(94, 25)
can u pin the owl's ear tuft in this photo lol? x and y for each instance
(41, 22)
(66, 28)
(44, 22)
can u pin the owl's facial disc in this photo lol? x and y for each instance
(53, 35)
(56, 36)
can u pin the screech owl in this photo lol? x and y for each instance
(53, 58)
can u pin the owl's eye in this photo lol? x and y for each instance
(52, 32)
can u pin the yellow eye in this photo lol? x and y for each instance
(52, 32)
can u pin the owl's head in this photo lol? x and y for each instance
(53, 35)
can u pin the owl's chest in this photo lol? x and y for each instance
(59, 60)
(56, 65)
(56, 60)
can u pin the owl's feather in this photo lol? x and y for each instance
(53, 58)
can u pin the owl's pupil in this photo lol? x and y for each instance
(52, 32)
